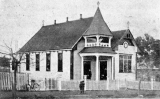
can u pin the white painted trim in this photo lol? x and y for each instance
(47, 51)
(82, 68)
(94, 54)
(97, 65)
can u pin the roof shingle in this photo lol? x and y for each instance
(98, 25)
(59, 36)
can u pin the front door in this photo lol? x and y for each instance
(103, 70)
(87, 69)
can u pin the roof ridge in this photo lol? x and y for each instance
(66, 22)
(119, 30)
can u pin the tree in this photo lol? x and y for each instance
(150, 50)
(149, 55)
(15, 60)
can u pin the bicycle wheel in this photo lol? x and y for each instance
(28, 87)
(36, 87)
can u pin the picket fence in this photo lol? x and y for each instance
(7, 79)
(109, 85)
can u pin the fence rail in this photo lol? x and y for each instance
(7, 79)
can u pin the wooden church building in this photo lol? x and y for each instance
(81, 47)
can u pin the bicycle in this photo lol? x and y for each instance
(33, 86)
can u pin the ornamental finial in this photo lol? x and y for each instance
(128, 24)
(98, 3)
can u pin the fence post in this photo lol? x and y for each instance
(118, 83)
(107, 83)
(152, 81)
(59, 85)
(85, 81)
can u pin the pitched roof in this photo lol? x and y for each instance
(97, 50)
(65, 35)
(117, 35)
(59, 36)
(98, 25)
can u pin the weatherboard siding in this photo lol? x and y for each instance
(129, 50)
(53, 73)
(77, 60)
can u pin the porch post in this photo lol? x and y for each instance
(97, 65)
(113, 68)
(82, 68)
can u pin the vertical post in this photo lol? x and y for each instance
(97, 43)
(113, 69)
(107, 83)
(59, 85)
(85, 82)
(97, 65)
(82, 68)
(118, 83)
(152, 81)
(85, 40)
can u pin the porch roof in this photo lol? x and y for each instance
(97, 50)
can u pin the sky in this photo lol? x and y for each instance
(21, 19)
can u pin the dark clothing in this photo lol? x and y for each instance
(81, 86)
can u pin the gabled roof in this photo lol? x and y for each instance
(98, 26)
(66, 35)
(117, 36)
(59, 36)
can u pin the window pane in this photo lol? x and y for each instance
(48, 61)
(27, 61)
(129, 65)
(120, 57)
(125, 57)
(60, 62)
(104, 39)
(121, 66)
(37, 62)
(129, 57)
(125, 66)
(91, 39)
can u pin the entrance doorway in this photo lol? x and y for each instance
(103, 70)
(87, 69)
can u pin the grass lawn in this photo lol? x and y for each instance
(76, 94)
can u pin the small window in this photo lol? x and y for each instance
(37, 62)
(128, 35)
(27, 62)
(104, 39)
(91, 39)
(60, 62)
(125, 63)
(48, 61)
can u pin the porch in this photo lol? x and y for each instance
(97, 66)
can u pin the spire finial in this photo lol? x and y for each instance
(98, 3)
(128, 24)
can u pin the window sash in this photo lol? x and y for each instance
(37, 62)
(125, 62)
(27, 62)
(60, 62)
(48, 59)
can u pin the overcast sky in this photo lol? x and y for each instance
(21, 19)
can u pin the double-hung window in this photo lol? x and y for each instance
(37, 62)
(60, 62)
(125, 62)
(48, 61)
(27, 62)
